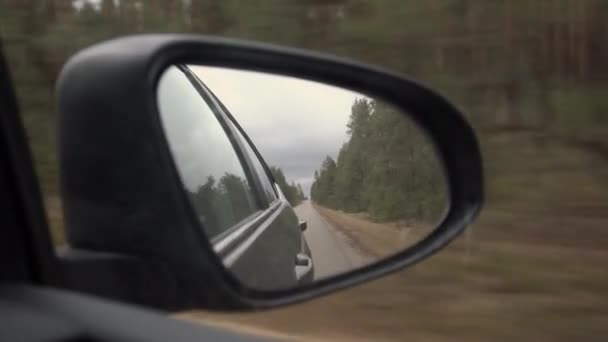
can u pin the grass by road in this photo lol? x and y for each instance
(378, 240)
(472, 291)
(531, 268)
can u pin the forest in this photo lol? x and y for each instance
(387, 169)
(530, 76)
(514, 67)
(222, 203)
(291, 190)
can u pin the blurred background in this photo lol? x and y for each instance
(532, 78)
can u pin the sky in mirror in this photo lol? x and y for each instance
(294, 123)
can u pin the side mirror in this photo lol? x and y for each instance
(169, 202)
(302, 225)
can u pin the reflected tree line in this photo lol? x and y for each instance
(387, 169)
(222, 203)
(292, 191)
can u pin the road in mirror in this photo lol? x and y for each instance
(293, 180)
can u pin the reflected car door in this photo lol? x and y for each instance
(262, 251)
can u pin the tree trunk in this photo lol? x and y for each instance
(558, 40)
(583, 41)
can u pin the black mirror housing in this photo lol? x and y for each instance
(119, 183)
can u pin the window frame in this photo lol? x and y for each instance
(264, 173)
(259, 201)
(226, 241)
(243, 134)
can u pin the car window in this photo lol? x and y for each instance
(214, 178)
(265, 181)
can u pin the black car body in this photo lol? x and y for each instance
(251, 224)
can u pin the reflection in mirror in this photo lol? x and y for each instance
(294, 180)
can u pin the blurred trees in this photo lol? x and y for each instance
(387, 168)
(512, 64)
(220, 204)
(534, 68)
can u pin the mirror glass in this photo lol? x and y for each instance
(293, 180)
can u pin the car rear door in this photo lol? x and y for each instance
(261, 249)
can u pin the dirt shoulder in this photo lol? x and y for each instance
(375, 239)
(482, 287)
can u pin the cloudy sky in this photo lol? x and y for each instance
(294, 123)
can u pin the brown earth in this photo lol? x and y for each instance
(483, 287)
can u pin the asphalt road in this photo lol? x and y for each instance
(332, 251)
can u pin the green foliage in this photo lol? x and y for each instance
(323, 189)
(222, 204)
(387, 168)
(293, 192)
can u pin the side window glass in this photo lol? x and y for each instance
(259, 168)
(210, 168)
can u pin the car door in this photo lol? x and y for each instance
(255, 232)
(303, 263)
